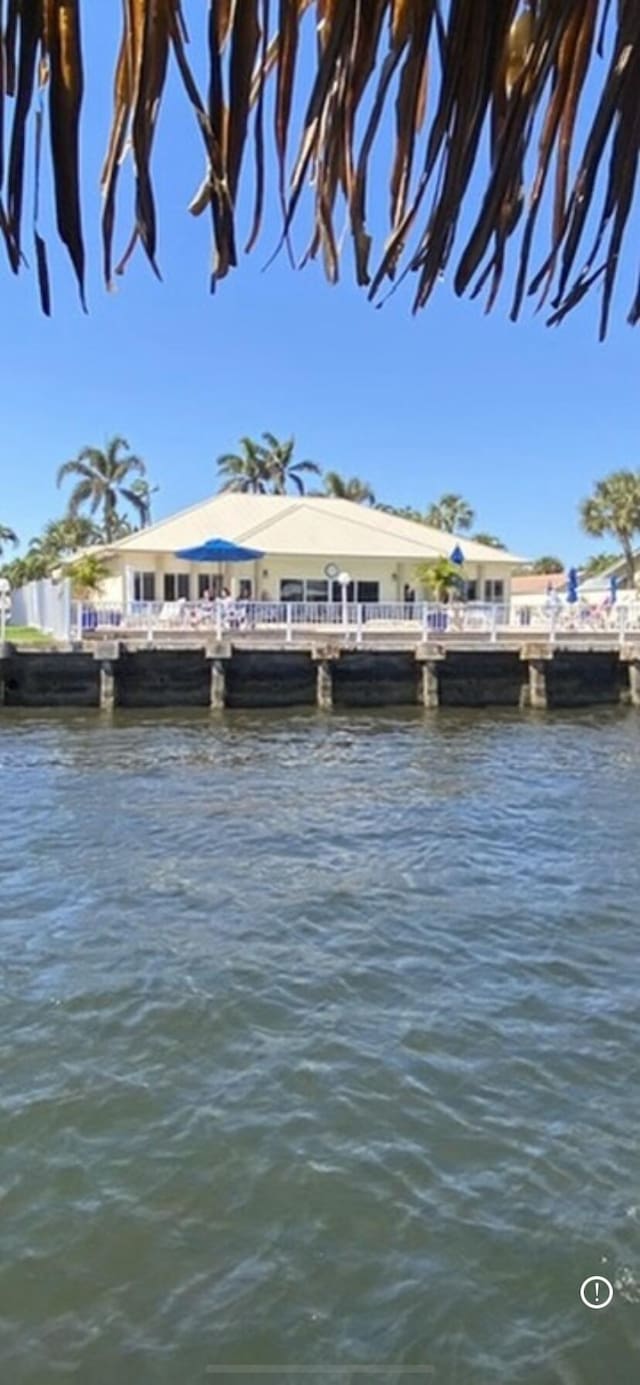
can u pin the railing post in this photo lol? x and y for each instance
(150, 623)
(425, 622)
(553, 623)
(289, 622)
(218, 620)
(622, 623)
(359, 623)
(494, 624)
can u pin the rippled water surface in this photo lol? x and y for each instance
(319, 1049)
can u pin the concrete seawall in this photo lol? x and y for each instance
(228, 676)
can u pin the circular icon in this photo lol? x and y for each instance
(331, 570)
(596, 1292)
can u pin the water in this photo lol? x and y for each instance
(319, 1048)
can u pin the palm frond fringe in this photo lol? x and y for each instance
(482, 95)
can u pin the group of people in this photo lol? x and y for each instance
(233, 612)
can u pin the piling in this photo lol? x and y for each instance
(430, 661)
(108, 655)
(324, 659)
(535, 691)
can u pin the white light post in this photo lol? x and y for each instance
(5, 594)
(344, 579)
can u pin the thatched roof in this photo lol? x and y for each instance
(481, 97)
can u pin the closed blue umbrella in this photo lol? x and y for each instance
(613, 589)
(457, 556)
(219, 551)
(572, 586)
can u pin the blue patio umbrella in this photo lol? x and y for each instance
(457, 556)
(219, 551)
(613, 589)
(572, 586)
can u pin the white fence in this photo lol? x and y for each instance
(46, 605)
(355, 622)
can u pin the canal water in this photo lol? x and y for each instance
(319, 1048)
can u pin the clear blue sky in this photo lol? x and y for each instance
(521, 419)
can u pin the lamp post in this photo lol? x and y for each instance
(5, 592)
(344, 579)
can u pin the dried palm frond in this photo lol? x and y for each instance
(479, 99)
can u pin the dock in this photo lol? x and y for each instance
(261, 670)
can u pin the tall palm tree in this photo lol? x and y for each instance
(101, 484)
(246, 470)
(452, 513)
(347, 488)
(281, 467)
(7, 535)
(144, 491)
(614, 508)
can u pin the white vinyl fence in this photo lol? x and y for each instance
(46, 605)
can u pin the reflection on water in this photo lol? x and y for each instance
(319, 1047)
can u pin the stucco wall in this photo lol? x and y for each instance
(267, 573)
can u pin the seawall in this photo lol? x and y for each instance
(231, 676)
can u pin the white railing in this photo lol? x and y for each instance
(355, 621)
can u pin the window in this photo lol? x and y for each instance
(471, 591)
(176, 586)
(144, 586)
(316, 590)
(493, 590)
(245, 589)
(208, 583)
(336, 592)
(368, 593)
(292, 589)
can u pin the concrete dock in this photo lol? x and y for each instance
(250, 672)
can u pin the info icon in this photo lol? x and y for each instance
(596, 1292)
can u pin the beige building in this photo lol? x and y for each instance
(306, 542)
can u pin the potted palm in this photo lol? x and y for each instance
(438, 578)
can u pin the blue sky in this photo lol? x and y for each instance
(520, 419)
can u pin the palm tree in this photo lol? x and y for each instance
(244, 471)
(7, 535)
(452, 513)
(614, 508)
(598, 562)
(281, 468)
(464, 217)
(62, 537)
(401, 511)
(546, 564)
(101, 482)
(144, 492)
(489, 540)
(31, 568)
(87, 574)
(347, 488)
(438, 577)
